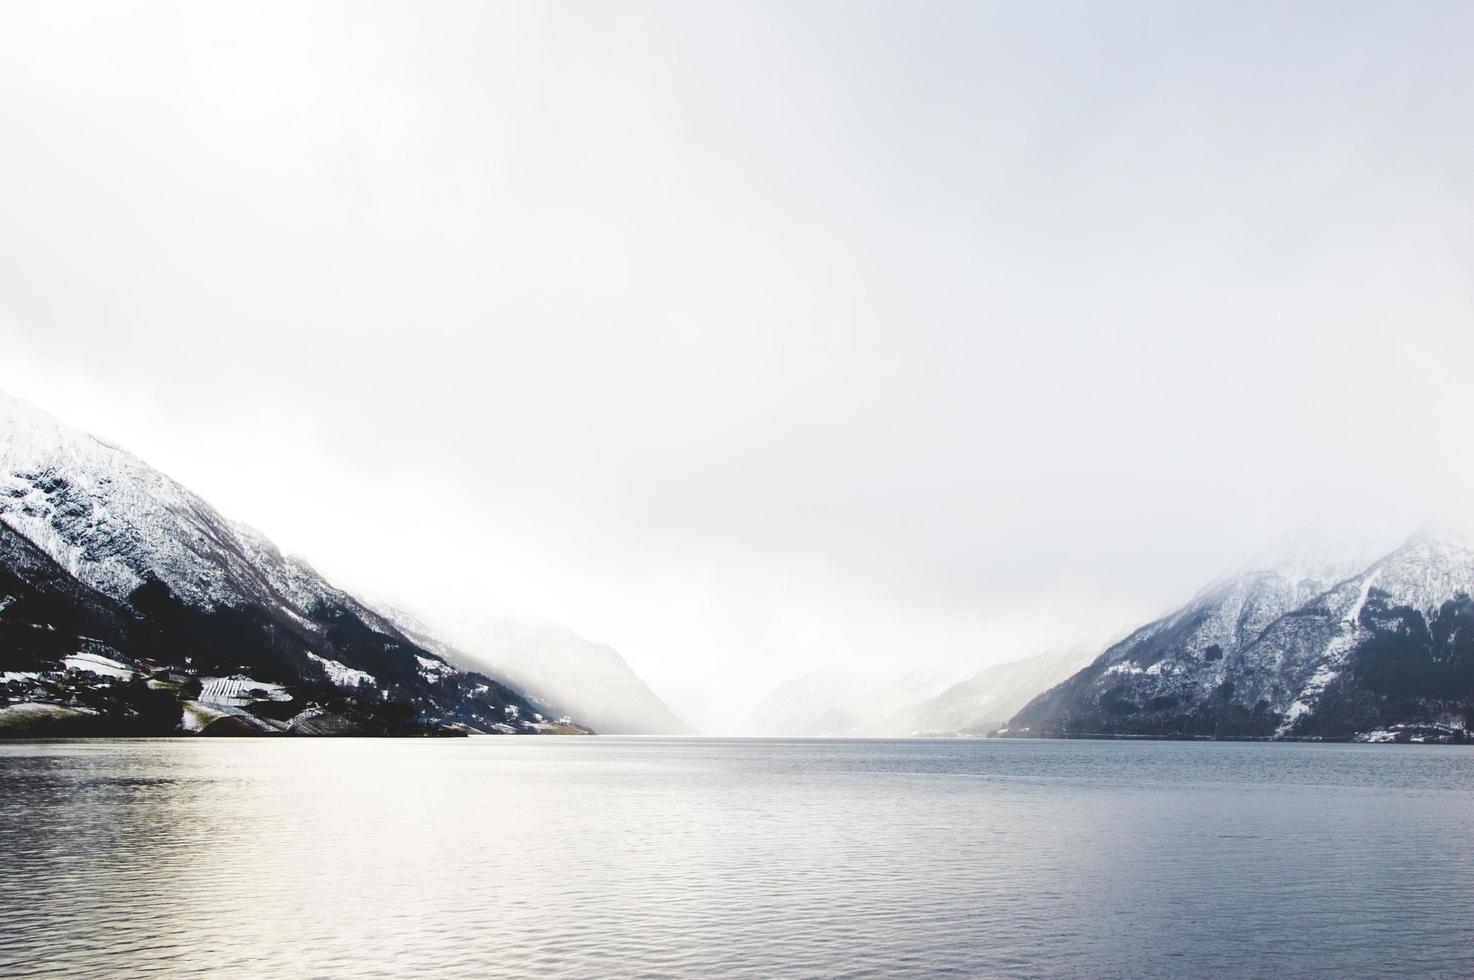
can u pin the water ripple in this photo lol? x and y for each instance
(692, 858)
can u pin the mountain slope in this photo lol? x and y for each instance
(114, 522)
(1277, 653)
(132, 550)
(840, 703)
(1391, 645)
(987, 699)
(824, 703)
(45, 613)
(553, 666)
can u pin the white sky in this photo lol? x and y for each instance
(755, 338)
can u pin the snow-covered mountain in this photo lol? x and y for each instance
(549, 663)
(114, 522)
(100, 547)
(1292, 650)
(45, 613)
(822, 703)
(842, 703)
(981, 703)
(922, 702)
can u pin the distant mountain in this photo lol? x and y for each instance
(841, 703)
(552, 665)
(922, 702)
(817, 704)
(115, 560)
(983, 702)
(1290, 651)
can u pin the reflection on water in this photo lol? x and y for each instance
(617, 857)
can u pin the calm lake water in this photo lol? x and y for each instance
(603, 857)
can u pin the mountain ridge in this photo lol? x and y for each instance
(551, 664)
(1259, 655)
(198, 595)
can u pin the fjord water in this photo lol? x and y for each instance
(623, 857)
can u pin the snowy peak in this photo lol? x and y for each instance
(24, 425)
(1405, 592)
(1289, 650)
(114, 522)
(194, 593)
(1432, 566)
(102, 514)
(1315, 557)
(1445, 531)
(1228, 614)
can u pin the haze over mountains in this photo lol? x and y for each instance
(920, 702)
(979, 704)
(550, 663)
(1304, 642)
(840, 703)
(859, 340)
(127, 603)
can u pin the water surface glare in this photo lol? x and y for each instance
(699, 858)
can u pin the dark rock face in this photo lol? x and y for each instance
(1411, 670)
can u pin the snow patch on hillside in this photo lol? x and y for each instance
(102, 666)
(341, 674)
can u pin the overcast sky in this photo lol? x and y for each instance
(752, 338)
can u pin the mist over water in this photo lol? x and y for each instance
(617, 857)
